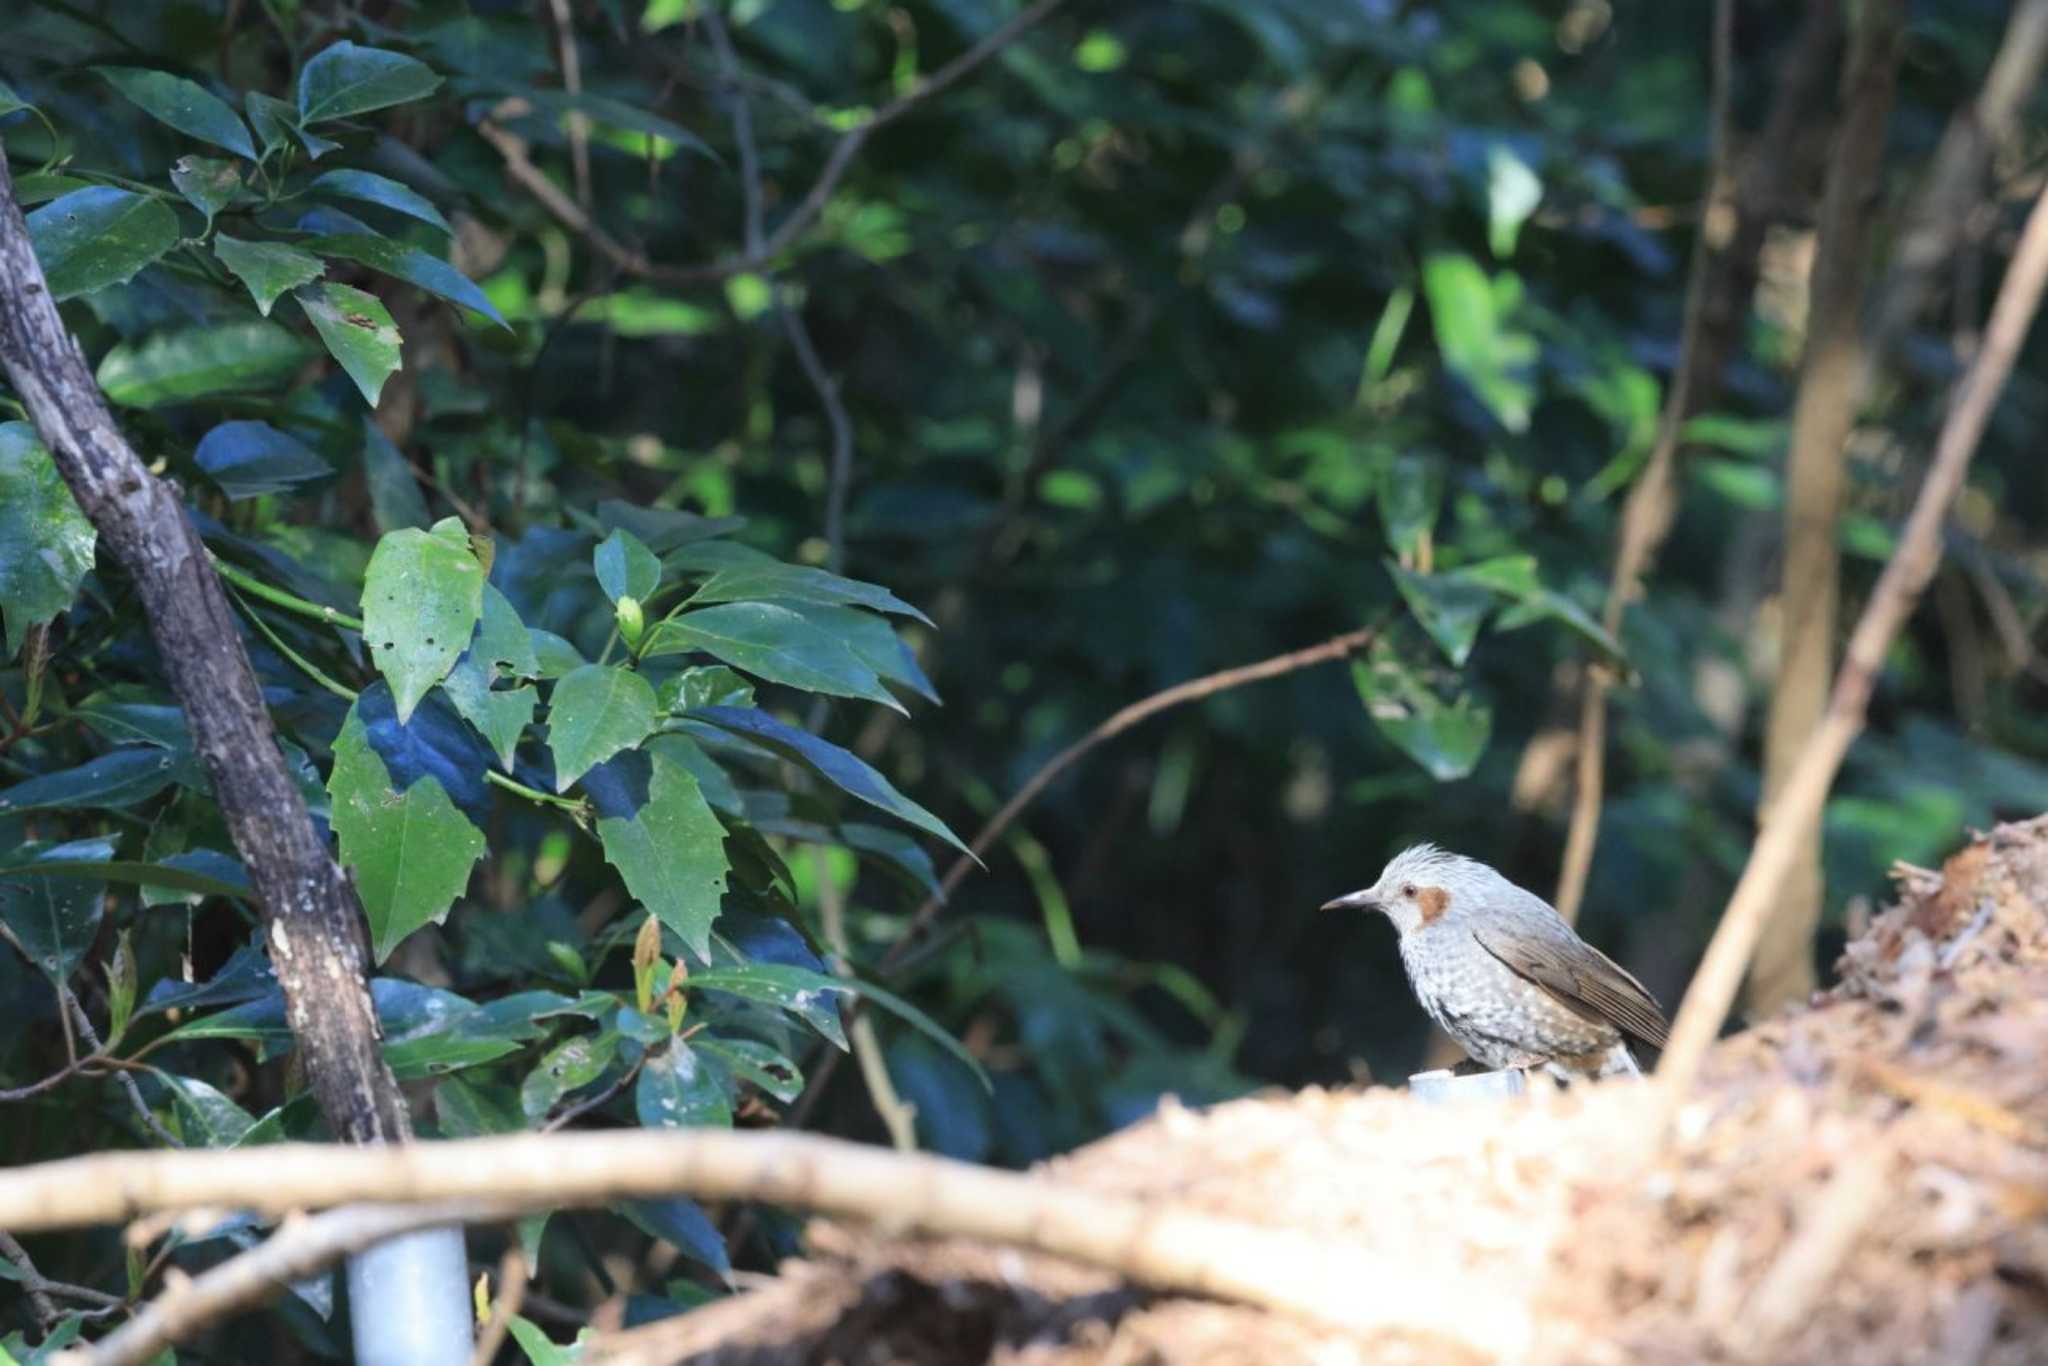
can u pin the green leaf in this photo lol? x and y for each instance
(1476, 344)
(371, 188)
(626, 568)
(1512, 193)
(412, 265)
(1449, 608)
(874, 642)
(501, 715)
(751, 1060)
(502, 641)
(46, 543)
(925, 1025)
(677, 1089)
(810, 995)
(272, 118)
(437, 1055)
(662, 836)
(774, 643)
(568, 1066)
(185, 105)
(540, 1349)
(594, 712)
(1515, 577)
(1446, 740)
(705, 685)
(56, 919)
(10, 102)
(267, 269)
(1409, 496)
(358, 332)
(410, 852)
(395, 498)
(116, 779)
(345, 79)
(616, 114)
(35, 188)
(170, 875)
(422, 596)
(205, 1114)
(170, 367)
(828, 761)
(208, 183)
(800, 583)
(90, 239)
(251, 458)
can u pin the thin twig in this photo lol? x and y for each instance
(572, 83)
(300, 1248)
(601, 1099)
(1646, 515)
(512, 1282)
(897, 1116)
(635, 262)
(841, 477)
(122, 1077)
(1898, 589)
(31, 1280)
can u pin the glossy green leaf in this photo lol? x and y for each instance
(93, 238)
(828, 761)
(412, 265)
(119, 778)
(662, 836)
(57, 918)
(810, 995)
(1449, 608)
(358, 331)
(756, 1062)
(1477, 345)
(1446, 740)
(371, 188)
(208, 1118)
(874, 642)
(774, 643)
(209, 184)
(800, 583)
(594, 712)
(156, 875)
(32, 188)
(1516, 578)
(678, 1089)
(625, 567)
(500, 715)
(272, 118)
(410, 852)
(344, 79)
(172, 367)
(251, 458)
(437, 1055)
(422, 596)
(46, 543)
(185, 105)
(266, 269)
(568, 1066)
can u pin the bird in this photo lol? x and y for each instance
(1504, 974)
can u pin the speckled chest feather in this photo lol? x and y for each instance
(1496, 1016)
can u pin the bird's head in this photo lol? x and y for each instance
(1418, 886)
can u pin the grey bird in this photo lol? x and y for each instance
(1503, 973)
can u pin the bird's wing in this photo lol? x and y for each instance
(1582, 979)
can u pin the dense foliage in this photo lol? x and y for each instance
(604, 550)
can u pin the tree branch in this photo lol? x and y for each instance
(315, 923)
(1154, 1244)
(1898, 589)
(1652, 500)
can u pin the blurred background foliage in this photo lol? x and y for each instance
(1173, 337)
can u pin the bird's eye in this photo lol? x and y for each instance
(1407, 889)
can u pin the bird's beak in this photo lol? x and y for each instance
(1356, 901)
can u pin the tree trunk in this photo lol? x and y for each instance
(1830, 376)
(313, 921)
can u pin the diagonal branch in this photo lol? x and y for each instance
(1898, 589)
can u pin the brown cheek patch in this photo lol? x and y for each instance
(1434, 901)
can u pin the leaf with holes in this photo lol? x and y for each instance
(679, 1088)
(358, 331)
(93, 238)
(596, 711)
(422, 596)
(664, 839)
(209, 184)
(410, 852)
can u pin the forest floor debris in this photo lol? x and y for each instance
(1860, 1180)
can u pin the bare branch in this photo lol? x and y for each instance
(1898, 589)
(1652, 500)
(1154, 1244)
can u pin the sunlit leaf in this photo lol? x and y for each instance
(358, 331)
(93, 238)
(594, 712)
(678, 1089)
(660, 833)
(267, 269)
(172, 367)
(422, 596)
